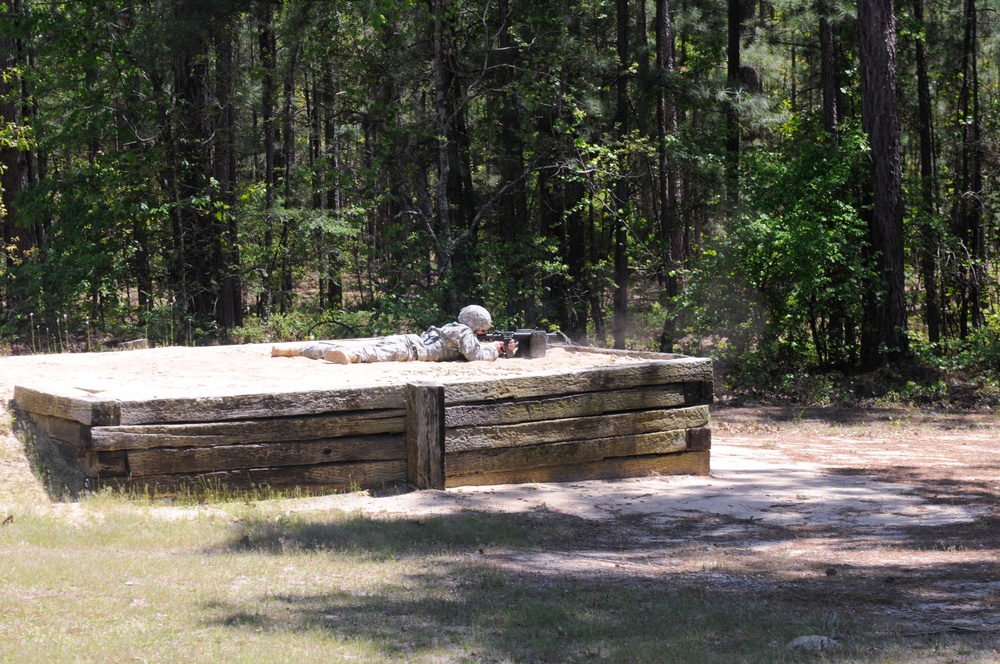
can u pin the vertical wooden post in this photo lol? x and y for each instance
(425, 435)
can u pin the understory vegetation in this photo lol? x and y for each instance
(651, 175)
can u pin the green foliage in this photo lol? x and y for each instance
(977, 354)
(88, 250)
(182, 180)
(783, 278)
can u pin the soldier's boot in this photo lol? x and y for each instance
(340, 356)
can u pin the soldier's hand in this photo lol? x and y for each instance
(503, 347)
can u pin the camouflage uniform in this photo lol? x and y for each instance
(454, 341)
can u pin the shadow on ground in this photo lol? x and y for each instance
(543, 586)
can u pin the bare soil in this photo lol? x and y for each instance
(249, 369)
(886, 515)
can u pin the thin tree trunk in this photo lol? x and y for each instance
(971, 202)
(828, 57)
(445, 234)
(669, 184)
(513, 202)
(197, 237)
(929, 235)
(284, 248)
(229, 310)
(267, 46)
(621, 194)
(735, 29)
(14, 162)
(334, 202)
(739, 80)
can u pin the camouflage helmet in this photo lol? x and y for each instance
(475, 317)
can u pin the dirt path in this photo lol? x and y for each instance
(885, 513)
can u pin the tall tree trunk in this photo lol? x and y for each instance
(386, 131)
(195, 226)
(141, 266)
(333, 198)
(267, 45)
(621, 195)
(669, 179)
(229, 309)
(513, 199)
(735, 23)
(14, 161)
(284, 248)
(929, 239)
(828, 59)
(738, 12)
(314, 101)
(970, 203)
(462, 196)
(884, 337)
(442, 125)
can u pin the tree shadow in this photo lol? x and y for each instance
(848, 416)
(546, 586)
(933, 489)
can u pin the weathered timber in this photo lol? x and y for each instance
(64, 438)
(692, 462)
(571, 405)
(65, 402)
(209, 434)
(556, 431)
(555, 454)
(699, 392)
(325, 477)
(596, 379)
(233, 457)
(73, 456)
(252, 406)
(425, 435)
(612, 421)
(106, 464)
(700, 438)
(61, 429)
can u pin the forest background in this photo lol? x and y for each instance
(804, 190)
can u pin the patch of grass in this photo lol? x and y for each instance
(242, 577)
(248, 582)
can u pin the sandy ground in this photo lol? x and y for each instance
(250, 369)
(763, 485)
(882, 511)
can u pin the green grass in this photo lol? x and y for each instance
(226, 577)
(121, 581)
(242, 584)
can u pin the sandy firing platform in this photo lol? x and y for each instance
(179, 418)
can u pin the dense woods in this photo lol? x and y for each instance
(812, 183)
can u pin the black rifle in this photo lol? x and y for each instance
(527, 343)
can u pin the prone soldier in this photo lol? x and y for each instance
(454, 341)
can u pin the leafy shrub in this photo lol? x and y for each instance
(783, 279)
